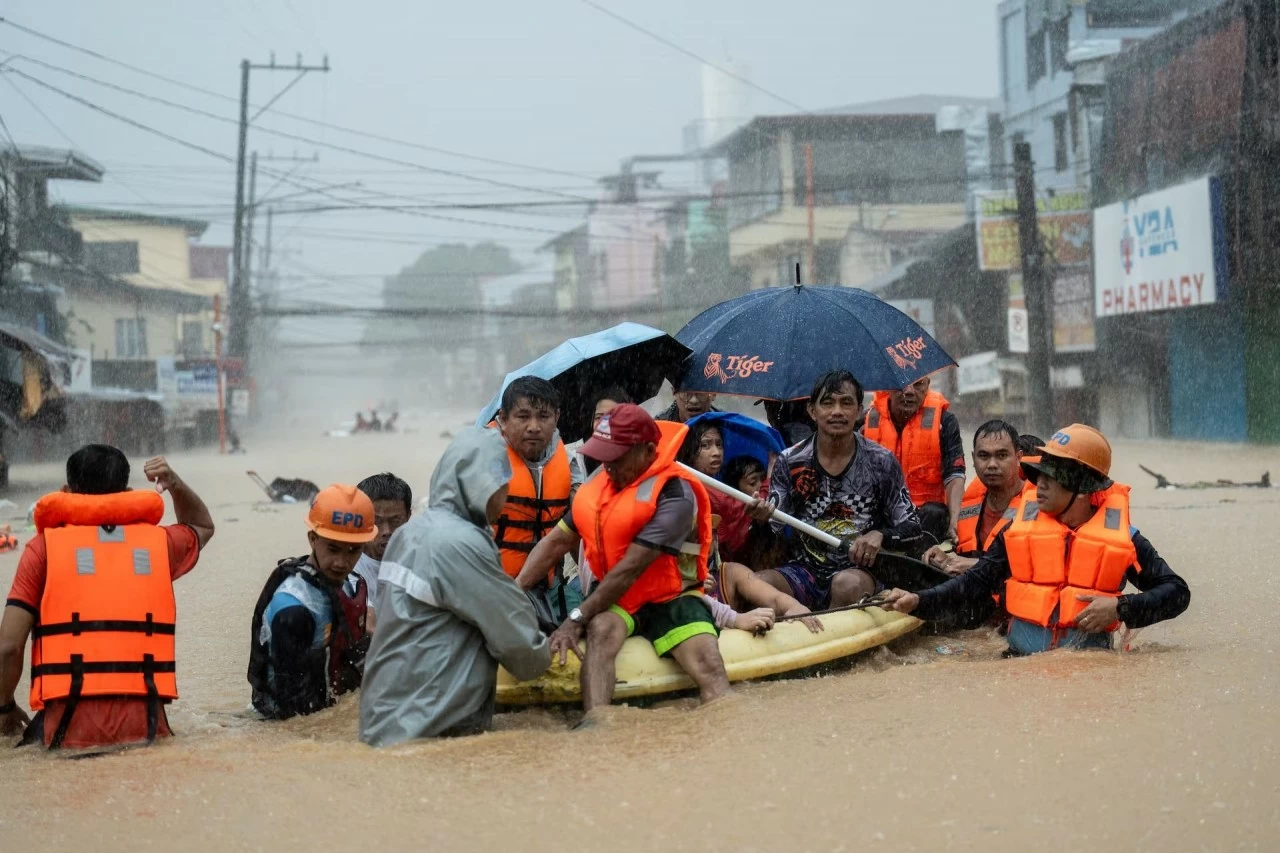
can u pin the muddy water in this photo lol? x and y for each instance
(1172, 746)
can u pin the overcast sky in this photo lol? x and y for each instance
(553, 84)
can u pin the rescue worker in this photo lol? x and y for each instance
(914, 424)
(308, 637)
(94, 588)
(646, 532)
(8, 542)
(687, 405)
(542, 483)
(1065, 560)
(392, 506)
(450, 615)
(990, 501)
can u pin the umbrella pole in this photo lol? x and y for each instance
(790, 521)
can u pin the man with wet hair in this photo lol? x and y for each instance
(1064, 561)
(839, 482)
(392, 506)
(95, 585)
(542, 484)
(914, 424)
(989, 501)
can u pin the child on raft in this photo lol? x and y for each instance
(731, 584)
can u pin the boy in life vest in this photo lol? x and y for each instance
(646, 530)
(542, 482)
(914, 425)
(94, 589)
(1065, 559)
(308, 637)
(392, 506)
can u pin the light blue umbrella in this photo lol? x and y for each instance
(635, 357)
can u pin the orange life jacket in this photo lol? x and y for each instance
(107, 616)
(971, 517)
(608, 521)
(1051, 564)
(918, 448)
(529, 515)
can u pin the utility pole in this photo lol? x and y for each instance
(808, 192)
(246, 251)
(1036, 290)
(240, 310)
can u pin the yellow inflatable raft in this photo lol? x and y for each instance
(790, 646)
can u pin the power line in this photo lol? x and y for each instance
(290, 136)
(314, 122)
(651, 34)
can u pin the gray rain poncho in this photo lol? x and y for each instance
(447, 614)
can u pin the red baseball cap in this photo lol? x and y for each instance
(619, 431)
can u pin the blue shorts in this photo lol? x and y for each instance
(811, 590)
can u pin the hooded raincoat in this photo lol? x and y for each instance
(447, 613)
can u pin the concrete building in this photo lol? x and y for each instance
(1049, 74)
(160, 302)
(884, 179)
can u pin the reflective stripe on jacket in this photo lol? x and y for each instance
(107, 616)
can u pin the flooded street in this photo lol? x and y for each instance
(1171, 746)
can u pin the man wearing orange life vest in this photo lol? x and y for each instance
(990, 501)
(95, 587)
(543, 481)
(914, 425)
(645, 525)
(1066, 558)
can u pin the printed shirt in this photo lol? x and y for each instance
(870, 494)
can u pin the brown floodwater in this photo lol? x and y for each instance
(1172, 746)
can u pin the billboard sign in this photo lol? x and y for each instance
(1161, 251)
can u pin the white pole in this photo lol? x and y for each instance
(807, 529)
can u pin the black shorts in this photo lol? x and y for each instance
(670, 623)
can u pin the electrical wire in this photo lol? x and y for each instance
(285, 134)
(314, 122)
(633, 25)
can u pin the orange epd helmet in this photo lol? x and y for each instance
(1078, 457)
(343, 514)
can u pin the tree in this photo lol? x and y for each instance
(448, 276)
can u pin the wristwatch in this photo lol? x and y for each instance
(9, 707)
(575, 615)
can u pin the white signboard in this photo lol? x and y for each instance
(920, 310)
(976, 373)
(1159, 251)
(1019, 337)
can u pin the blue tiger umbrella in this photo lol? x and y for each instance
(773, 343)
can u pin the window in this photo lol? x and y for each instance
(116, 258)
(1059, 37)
(1125, 14)
(1035, 57)
(131, 338)
(1061, 159)
(192, 338)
